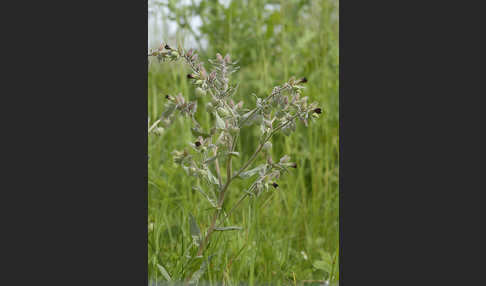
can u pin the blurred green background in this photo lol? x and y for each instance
(290, 235)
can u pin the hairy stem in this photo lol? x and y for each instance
(216, 165)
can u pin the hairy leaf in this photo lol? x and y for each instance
(199, 273)
(211, 201)
(212, 179)
(251, 172)
(219, 122)
(195, 232)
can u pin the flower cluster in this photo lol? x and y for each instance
(278, 112)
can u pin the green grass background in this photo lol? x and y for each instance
(294, 38)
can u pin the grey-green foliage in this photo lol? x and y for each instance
(294, 37)
(278, 112)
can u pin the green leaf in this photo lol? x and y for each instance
(251, 172)
(211, 178)
(210, 159)
(194, 229)
(210, 200)
(219, 122)
(199, 273)
(164, 272)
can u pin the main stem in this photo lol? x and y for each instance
(229, 179)
(222, 193)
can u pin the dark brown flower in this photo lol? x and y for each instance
(197, 143)
(294, 165)
(303, 80)
(190, 76)
(275, 185)
(318, 110)
(167, 47)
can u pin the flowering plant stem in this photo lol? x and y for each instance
(278, 112)
(222, 194)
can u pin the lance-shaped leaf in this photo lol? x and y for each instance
(194, 229)
(164, 272)
(219, 122)
(211, 178)
(199, 273)
(211, 201)
(251, 172)
(170, 108)
(210, 159)
(228, 228)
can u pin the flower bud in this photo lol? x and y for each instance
(285, 159)
(223, 112)
(200, 92)
(209, 107)
(302, 80)
(227, 58)
(203, 73)
(189, 52)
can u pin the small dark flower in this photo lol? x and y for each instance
(190, 76)
(318, 110)
(275, 185)
(168, 97)
(167, 47)
(294, 165)
(197, 143)
(303, 80)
